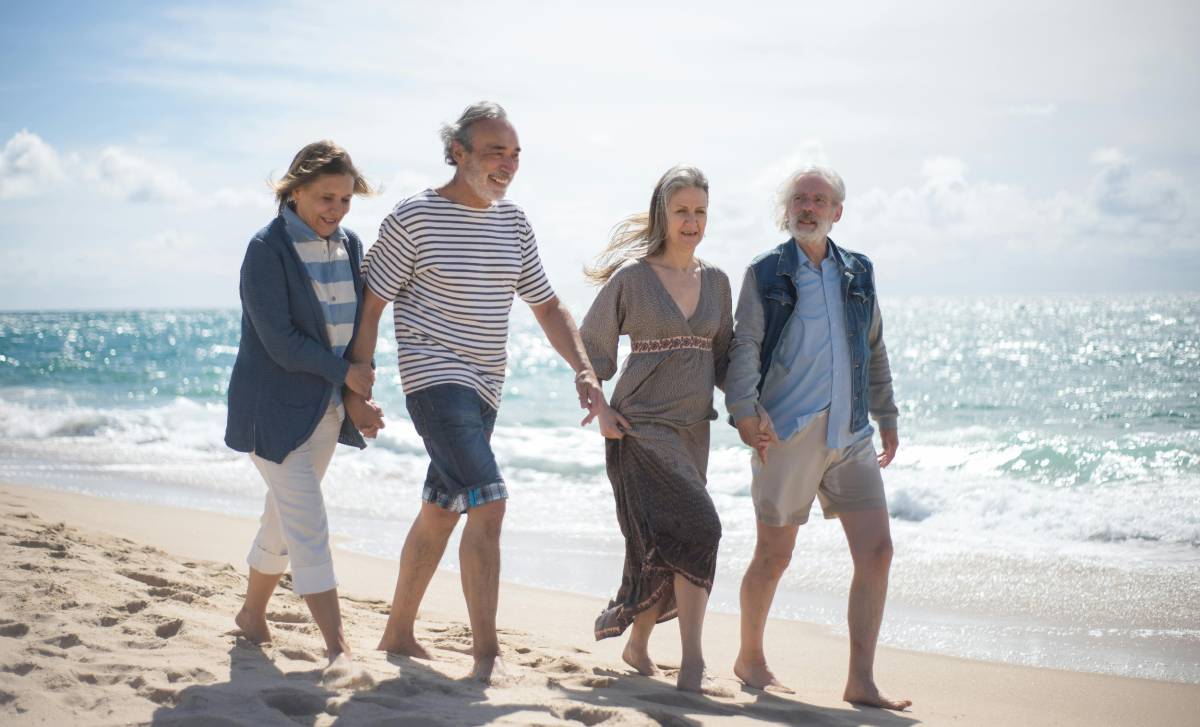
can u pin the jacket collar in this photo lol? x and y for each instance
(789, 259)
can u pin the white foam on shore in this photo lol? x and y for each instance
(973, 542)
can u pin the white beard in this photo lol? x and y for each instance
(805, 236)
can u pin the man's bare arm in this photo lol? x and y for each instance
(560, 329)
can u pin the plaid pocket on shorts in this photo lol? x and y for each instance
(464, 501)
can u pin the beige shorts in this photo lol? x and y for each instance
(802, 467)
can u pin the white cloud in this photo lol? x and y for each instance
(996, 231)
(129, 177)
(28, 165)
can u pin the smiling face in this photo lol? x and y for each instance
(812, 210)
(323, 202)
(492, 161)
(687, 215)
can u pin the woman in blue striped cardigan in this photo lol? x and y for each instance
(293, 394)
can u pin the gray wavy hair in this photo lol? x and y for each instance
(784, 194)
(642, 235)
(460, 130)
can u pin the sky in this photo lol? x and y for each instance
(1008, 148)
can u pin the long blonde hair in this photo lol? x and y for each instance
(644, 234)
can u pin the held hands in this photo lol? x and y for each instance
(591, 396)
(360, 377)
(612, 424)
(367, 416)
(758, 432)
(890, 438)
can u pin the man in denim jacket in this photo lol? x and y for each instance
(806, 367)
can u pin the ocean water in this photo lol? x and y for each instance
(1045, 501)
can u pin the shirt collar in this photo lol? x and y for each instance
(802, 260)
(299, 230)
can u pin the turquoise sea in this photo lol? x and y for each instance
(1045, 501)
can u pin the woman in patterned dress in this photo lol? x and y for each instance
(677, 311)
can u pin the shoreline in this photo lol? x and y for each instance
(944, 688)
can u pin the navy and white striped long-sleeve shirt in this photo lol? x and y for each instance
(452, 271)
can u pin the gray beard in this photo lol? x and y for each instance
(813, 238)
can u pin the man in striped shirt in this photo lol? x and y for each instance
(451, 260)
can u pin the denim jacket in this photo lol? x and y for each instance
(285, 371)
(764, 311)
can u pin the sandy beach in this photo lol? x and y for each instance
(121, 613)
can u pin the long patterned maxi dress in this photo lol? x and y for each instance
(659, 470)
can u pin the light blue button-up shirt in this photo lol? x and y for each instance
(815, 352)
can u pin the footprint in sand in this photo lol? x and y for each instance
(14, 630)
(106, 680)
(40, 544)
(156, 581)
(66, 641)
(586, 714)
(135, 606)
(173, 594)
(6, 697)
(194, 675)
(293, 702)
(168, 629)
(300, 655)
(19, 669)
(159, 694)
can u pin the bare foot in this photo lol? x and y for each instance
(254, 628)
(404, 646)
(867, 693)
(640, 660)
(759, 676)
(691, 677)
(488, 669)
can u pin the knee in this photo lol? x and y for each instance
(486, 520)
(876, 558)
(772, 562)
(437, 521)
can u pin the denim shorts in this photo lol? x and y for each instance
(456, 425)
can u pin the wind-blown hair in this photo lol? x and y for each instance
(644, 234)
(315, 159)
(460, 130)
(784, 194)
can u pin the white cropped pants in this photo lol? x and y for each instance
(293, 526)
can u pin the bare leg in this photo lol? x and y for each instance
(252, 619)
(691, 600)
(637, 648)
(327, 613)
(479, 556)
(772, 553)
(870, 541)
(423, 549)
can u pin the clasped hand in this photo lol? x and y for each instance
(366, 415)
(758, 432)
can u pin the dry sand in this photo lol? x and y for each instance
(120, 613)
